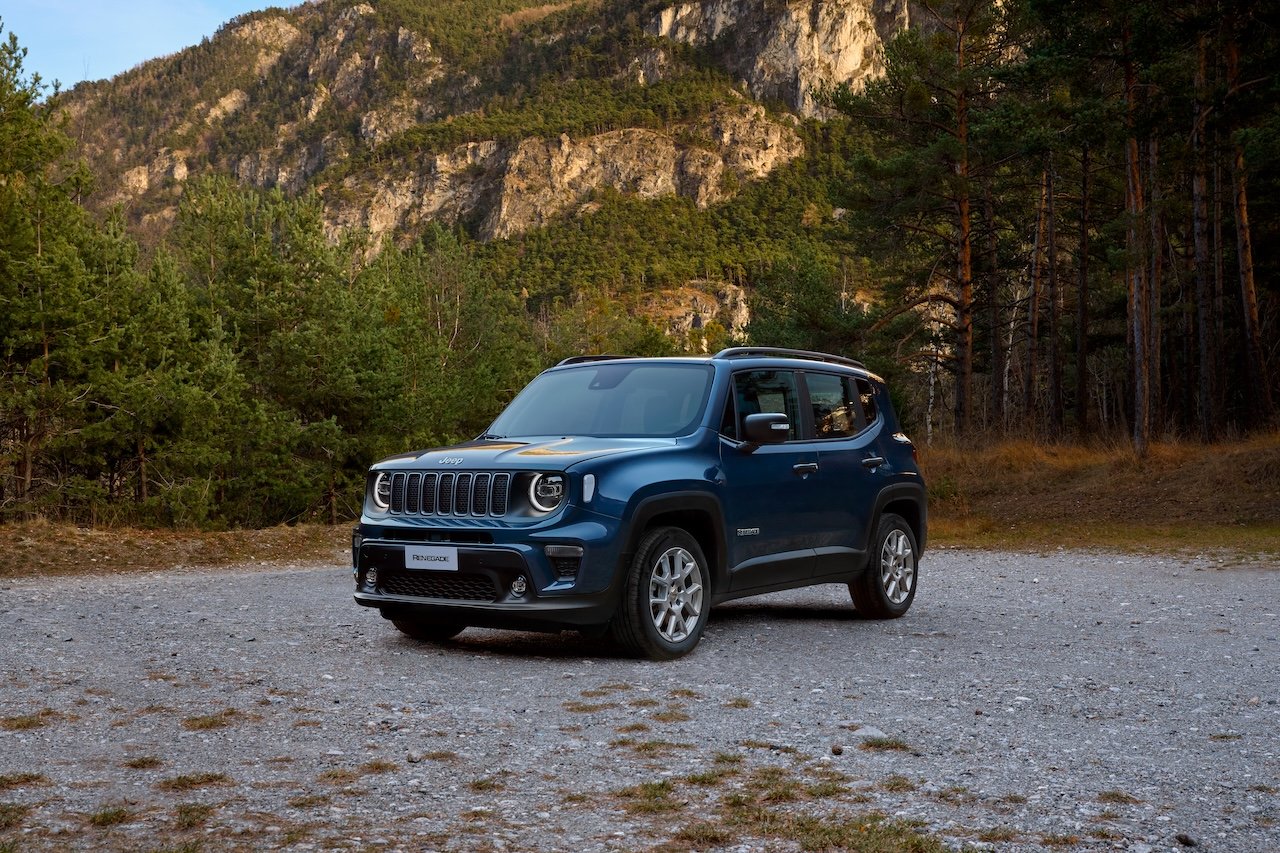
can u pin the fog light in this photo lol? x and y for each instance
(371, 577)
(519, 585)
(565, 559)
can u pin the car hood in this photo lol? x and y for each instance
(528, 453)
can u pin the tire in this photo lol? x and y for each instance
(666, 597)
(887, 586)
(428, 632)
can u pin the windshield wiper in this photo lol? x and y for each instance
(489, 436)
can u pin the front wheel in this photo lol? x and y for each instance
(887, 586)
(666, 598)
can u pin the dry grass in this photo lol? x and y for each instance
(9, 781)
(25, 722)
(513, 21)
(647, 748)
(205, 722)
(587, 707)
(897, 784)
(1059, 840)
(884, 744)
(45, 548)
(673, 714)
(13, 814)
(649, 798)
(143, 762)
(191, 781)
(1117, 797)
(110, 817)
(997, 834)
(192, 815)
(1183, 497)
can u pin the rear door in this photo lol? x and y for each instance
(846, 426)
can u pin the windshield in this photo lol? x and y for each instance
(609, 399)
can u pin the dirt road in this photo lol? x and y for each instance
(1068, 700)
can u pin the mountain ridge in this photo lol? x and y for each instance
(502, 128)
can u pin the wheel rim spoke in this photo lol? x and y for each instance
(897, 567)
(675, 594)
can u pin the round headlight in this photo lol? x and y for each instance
(382, 491)
(546, 491)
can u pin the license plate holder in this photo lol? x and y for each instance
(432, 558)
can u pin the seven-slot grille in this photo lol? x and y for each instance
(450, 494)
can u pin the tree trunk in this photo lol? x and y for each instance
(1082, 303)
(993, 309)
(964, 377)
(1033, 310)
(142, 470)
(1155, 283)
(1207, 417)
(1055, 350)
(1138, 304)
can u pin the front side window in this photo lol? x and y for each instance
(836, 410)
(759, 391)
(609, 399)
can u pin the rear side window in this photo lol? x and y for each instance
(758, 391)
(867, 396)
(837, 411)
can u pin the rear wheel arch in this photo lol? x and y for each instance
(906, 500)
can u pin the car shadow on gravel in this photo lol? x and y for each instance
(731, 613)
(570, 644)
(520, 644)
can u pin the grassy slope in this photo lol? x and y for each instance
(1222, 500)
(1185, 497)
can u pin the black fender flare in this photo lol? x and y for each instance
(908, 491)
(703, 503)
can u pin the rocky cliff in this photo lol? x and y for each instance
(792, 50)
(513, 187)
(328, 96)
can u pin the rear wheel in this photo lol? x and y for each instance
(887, 586)
(666, 598)
(429, 632)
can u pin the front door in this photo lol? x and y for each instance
(771, 491)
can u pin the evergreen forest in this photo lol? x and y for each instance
(1050, 219)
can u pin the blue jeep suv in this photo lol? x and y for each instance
(629, 495)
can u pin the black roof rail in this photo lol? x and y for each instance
(780, 352)
(583, 359)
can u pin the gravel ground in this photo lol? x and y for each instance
(1066, 700)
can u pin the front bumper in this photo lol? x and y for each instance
(505, 580)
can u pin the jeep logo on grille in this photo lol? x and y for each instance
(449, 460)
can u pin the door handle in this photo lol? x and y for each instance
(804, 469)
(873, 462)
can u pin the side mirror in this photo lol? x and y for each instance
(766, 428)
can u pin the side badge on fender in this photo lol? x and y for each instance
(748, 531)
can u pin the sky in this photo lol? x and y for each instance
(74, 40)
